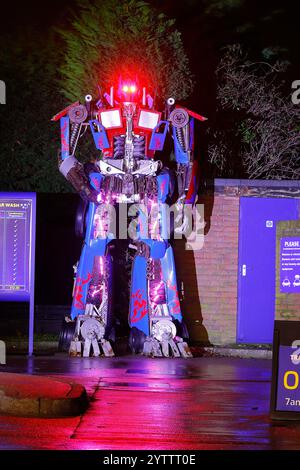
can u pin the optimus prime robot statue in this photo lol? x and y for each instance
(128, 132)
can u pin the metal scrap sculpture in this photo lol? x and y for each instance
(129, 132)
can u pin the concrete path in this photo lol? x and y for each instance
(155, 404)
(28, 395)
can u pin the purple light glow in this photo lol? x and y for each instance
(96, 291)
(157, 292)
(101, 263)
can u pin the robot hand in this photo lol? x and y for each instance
(183, 221)
(90, 195)
(74, 172)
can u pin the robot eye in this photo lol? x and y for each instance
(125, 88)
(133, 88)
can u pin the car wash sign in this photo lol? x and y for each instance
(17, 242)
(290, 265)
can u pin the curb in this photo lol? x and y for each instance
(239, 353)
(37, 396)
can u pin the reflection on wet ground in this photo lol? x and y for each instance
(141, 403)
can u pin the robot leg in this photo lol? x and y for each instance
(92, 305)
(92, 299)
(155, 316)
(169, 280)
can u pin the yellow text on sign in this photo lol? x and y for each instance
(296, 380)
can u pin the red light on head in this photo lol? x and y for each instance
(128, 89)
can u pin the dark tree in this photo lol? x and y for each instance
(258, 122)
(112, 38)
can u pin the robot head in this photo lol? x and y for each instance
(128, 91)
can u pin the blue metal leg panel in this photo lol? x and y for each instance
(139, 313)
(83, 278)
(91, 248)
(169, 277)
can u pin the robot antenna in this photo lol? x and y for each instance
(88, 98)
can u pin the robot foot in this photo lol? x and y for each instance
(89, 339)
(166, 347)
(91, 347)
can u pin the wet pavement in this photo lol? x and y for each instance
(153, 404)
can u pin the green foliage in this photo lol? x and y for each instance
(28, 139)
(112, 38)
(105, 37)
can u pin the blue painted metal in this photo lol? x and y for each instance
(192, 133)
(96, 180)
(163, 182)
(139, 312)
(169, 277)
(256, 276)
(91, 248)
(157, 140)
(163, 186)
(83, 278)
(65, 137)
(194, 186)
(100, 136)
(157, 248)
(180, 155)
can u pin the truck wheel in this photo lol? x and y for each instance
(136, 340)
(66, 335)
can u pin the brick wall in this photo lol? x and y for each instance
(210, 274)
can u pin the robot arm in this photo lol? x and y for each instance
(182, 125)
(74, 172)
(71, 120)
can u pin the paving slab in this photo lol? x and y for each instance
(30, 395)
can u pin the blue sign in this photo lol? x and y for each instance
(17, 251)
(285, 388)
(288, 388)
(290, 265)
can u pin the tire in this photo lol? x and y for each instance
(182, 330)
(136, 340)
(80, 218)
(66, 335)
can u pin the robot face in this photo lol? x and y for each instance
(128, 91)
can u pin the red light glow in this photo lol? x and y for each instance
(129, 88)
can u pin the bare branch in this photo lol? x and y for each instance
(265, 123)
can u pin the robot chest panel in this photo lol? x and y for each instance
(135, 147)
(138, 144)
